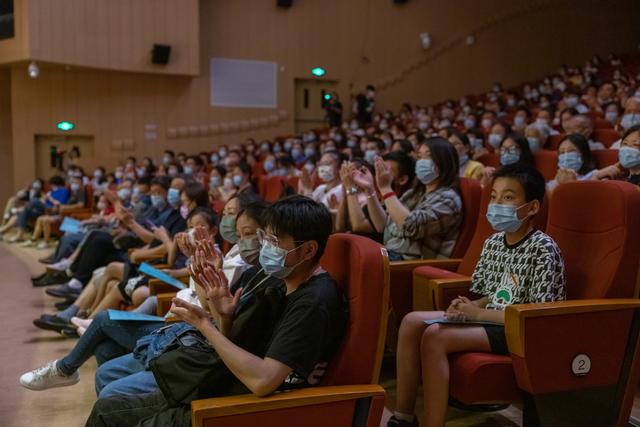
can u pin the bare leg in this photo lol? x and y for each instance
(86, 298)
(11, 222)
(112, 275)
(438, 341)
(408, 366)
(111, 300)
(37, 231)
(139, 295)
(102, 290)
(46, 227)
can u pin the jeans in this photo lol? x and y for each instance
(68, 243)
(32, 211)
(106, 339)
(124, 376)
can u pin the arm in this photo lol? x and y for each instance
(364, 180)
(261, 376)
(359, 222)
(342, 216)
(147, 253)
(396, 210)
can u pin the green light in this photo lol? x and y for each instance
(318, 72)
(65, 126)
(327, 96)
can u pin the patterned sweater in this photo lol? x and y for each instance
(530, 271)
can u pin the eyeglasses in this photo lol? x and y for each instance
(263, 238)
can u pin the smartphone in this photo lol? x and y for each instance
(150, 224)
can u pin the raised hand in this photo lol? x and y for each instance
(384, 178)
(346, 170)
(184, 244)
(190, 313)
(219, 297)
(363, 179)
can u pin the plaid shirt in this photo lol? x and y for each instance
(431, 229)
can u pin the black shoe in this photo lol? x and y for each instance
(38, 277)
(51, 322)
(69, 333)
(64, 291)
(57, 278)
(394, 422)
(63, 305)
(47, 260)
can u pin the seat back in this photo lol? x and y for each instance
(604, 158)
(482, 232)
(546, 162)
(360, 266)
(554, 142)
(606, 136)
(490, 159)
(599, 123)
(470, 193)
(272, 188)
(595, 223)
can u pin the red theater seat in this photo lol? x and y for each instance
(552, 344)
(606, 136)
(546, 162)
(554, 142)
(599, 123)
(604, 158)
(350, 391)
(490, 159)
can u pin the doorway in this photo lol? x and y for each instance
(53, 153)
(309, 106)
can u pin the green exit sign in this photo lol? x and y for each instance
(65, 126)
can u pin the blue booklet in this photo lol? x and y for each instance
(160, 275)
(70, 225)
(461, 322)
(133, 316)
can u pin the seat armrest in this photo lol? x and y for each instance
(572, 345)
(157, 286)
(164, 302)
(450, 264)
(334, 405)
(437, 294)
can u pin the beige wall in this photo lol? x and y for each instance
(17, 48)
(516, 40)
(6, 142)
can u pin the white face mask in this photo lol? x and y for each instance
(325, 173)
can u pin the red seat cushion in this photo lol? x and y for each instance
(482, 378)
(436, 273)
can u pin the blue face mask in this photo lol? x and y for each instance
(309, 151)
(571, 160)
(629, 157)
(214, 182)
(124, 193)
(426, 171)
(268, 166)
(370, 156)
(173, 196)
(518, 121)
(237, 180)
(476, 143)
(508, 157)
(463, 158)
(495, 140)
(629, 120)
(469, 123)
(534, 143)
(272, 260)
(504, 217)
(295, 153)
(188, 170)
(158, 202)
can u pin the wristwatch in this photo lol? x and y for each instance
(352, 190)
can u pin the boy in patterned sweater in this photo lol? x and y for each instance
(517, 265)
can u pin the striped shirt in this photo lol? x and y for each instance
(431, 229)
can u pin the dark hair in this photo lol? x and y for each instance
(405, 145)
(245, 168)
(162, 181)
(208, 214)
(379, 143)
(197, 160)
(526, 156)
(145, 180)
(529, 178)
(254, 211)
(461, 136)
(337, 156)
(406, 165)
(221, 170)
(247, 198)
(585, 151)
(170, 152)
(301, 218)
(197, 193)
(445, 158)
(57, 180)
(632, 129)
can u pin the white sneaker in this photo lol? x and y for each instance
(27, 244)
(47, 377)
(60, 265)
(42, 245)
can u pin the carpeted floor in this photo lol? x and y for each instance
(25, 347)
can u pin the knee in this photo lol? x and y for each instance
(139, 295)
(412, 324)
(432, 338)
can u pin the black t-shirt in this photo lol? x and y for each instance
(634, 179)
(309, 331)
(174, 223)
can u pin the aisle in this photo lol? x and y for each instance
(25, 347)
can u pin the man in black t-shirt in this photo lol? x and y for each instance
(305, 336)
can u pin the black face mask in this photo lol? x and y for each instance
(249, 250)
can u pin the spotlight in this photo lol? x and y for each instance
(425, 40)
(470, 40)
(33, 70)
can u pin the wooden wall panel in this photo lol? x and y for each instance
(116, 34)
(17, 48)
(335, 34)
(6, 138)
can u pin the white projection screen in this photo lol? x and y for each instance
(243, 83)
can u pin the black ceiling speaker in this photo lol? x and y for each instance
(285, 3)
(399, 1)
(160, 54)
